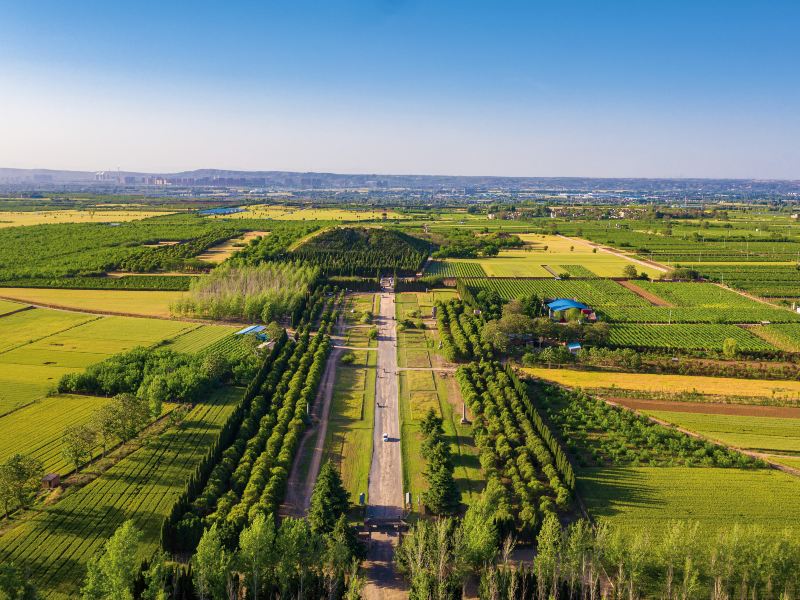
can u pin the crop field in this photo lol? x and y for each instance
(7, 307)
(673, 384)
(56, 544)
(452, 268)
(292, 213)
(19, 219)
(597, 293)
(25, 327)
(126, 302)
(38, 346)
(685, 337)
(201, 337)
(783, 335)
(36, 429)
(692, 302)
(558, 253)
(779, 280)
(348, 443)
(765, 434)
(689, 243)
(646, 499)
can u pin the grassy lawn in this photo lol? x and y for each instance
(648, 498)
(348, 443)
(144, 303)
(645, 382)
(423, 390)
(768, 434)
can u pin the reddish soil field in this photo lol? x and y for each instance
(710, 408)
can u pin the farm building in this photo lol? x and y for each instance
(557, 307)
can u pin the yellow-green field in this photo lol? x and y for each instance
(7, 307)
(38, 346)
(18, 219)
(673, 384)
(36, 429)
(555, 252)
(127, 302)
(290, 213)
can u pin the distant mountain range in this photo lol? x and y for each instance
(289, 180)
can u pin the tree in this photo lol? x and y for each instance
(549, 544)
(597, 334)
(77, 444)
(156, 393)
(329, 500)
(480, 539)
(211, 566)
(15, 585)
(274, 331)
(730, 348)
(257, 555)
(629, 271)
(341, 549)
(129, 415)
(20, 477)
(155, 577)
(112, 572)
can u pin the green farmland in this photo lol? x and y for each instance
(36, 429)
(646, 499)
(765, 434)
(57, 542)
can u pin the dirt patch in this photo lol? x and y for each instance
(650, 297)
(220, 252)
(709, 408)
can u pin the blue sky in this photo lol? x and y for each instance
(614, 88)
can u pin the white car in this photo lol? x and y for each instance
(385, 437)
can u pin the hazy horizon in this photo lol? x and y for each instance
(682, 90)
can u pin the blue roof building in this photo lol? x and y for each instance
(565, 304)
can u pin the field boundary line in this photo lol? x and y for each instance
(25, 307)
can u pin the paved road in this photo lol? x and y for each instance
(386, 475)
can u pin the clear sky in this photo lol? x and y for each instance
(646, 88)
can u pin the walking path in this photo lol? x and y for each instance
(386, 475)
(298, 490)
(645, 263)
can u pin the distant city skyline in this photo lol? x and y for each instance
(621, 89)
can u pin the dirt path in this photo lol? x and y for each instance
(618, 254)
(651, 298)
(298, 489)
(749, 296)
(385, 475)
(709, 408)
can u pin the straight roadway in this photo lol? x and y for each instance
(385, 500)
